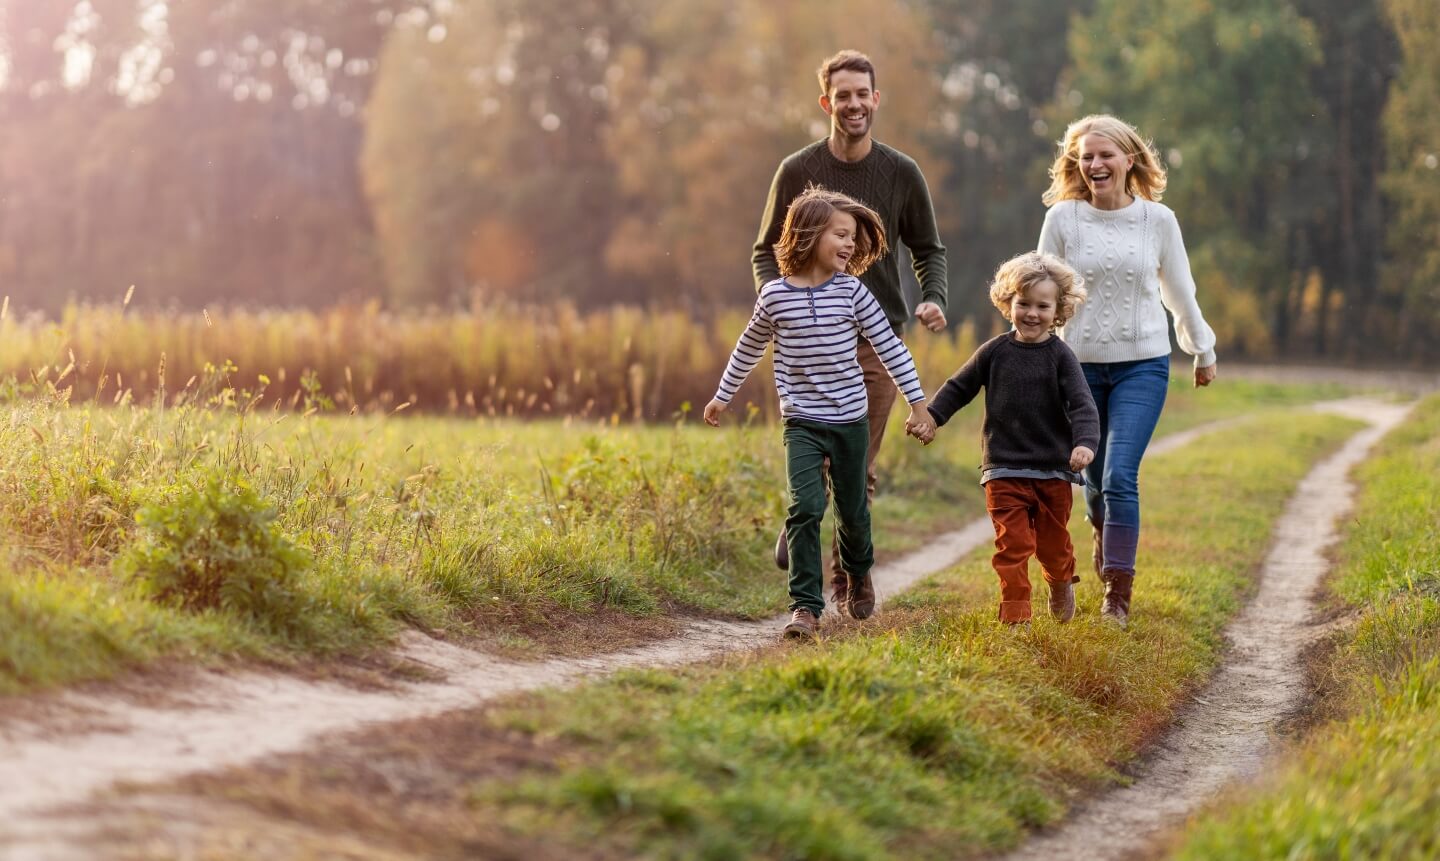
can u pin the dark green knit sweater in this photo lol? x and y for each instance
(887, 181)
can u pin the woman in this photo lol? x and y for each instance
(1105, 219)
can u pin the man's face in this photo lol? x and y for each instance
(851, 103)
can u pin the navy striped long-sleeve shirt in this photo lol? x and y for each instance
(815, 333)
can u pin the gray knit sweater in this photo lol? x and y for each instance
(1038, 406)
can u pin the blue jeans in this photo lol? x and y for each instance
(1129, 396)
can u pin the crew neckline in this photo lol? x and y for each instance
(1015, 339)
(821, 286)
(1113, 213)
(848, 165)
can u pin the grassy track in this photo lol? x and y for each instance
(1366, 782)
(930, 732)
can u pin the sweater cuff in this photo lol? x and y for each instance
(1205, 359)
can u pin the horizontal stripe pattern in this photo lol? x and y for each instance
(815, 332)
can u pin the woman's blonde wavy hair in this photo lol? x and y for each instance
(1019, 274)
(1146, 177)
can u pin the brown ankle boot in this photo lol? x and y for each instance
(862, 597)
(840, 592)
(1062, 599)
(803, 625)
(1116, 606)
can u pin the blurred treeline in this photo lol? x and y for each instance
(429, 152)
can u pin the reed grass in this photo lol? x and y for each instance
(494, 360)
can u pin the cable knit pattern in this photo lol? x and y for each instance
(1135, 267)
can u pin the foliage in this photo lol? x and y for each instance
(217, 547)
(1412, 175)
(606, 151)
(304, 152)
(1236, 148)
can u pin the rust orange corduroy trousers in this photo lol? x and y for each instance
(1031, 518)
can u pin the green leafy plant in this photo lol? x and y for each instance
(218, 547)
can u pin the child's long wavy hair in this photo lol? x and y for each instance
(808, 217)
(1017, 275)
(1146, 178)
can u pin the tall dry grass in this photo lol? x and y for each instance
(495, 359)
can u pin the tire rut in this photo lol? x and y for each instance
(1227, 733)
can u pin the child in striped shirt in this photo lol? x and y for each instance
(815, 313)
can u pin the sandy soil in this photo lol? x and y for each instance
(1228, 731)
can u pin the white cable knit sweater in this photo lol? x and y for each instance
(1135, 268)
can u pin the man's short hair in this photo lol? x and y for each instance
(845, 61)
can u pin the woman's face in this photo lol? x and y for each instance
(1103, 165)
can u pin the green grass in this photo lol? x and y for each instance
(933, 732)
(1366, 783)
(504, 530)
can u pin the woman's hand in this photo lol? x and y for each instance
(713, 411)
(1206, 375)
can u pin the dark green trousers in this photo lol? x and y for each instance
(808, 445)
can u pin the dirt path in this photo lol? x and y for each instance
(1227, 733)
(83, 744)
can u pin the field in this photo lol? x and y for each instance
(123, 522)
(933, 732)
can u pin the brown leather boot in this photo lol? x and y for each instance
(1062, 599)
(1098, 553)
(1116, 606)
(840, 592)
(803, 625)
(862, 597)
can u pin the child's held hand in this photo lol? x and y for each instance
(919, 424)
(1081, 457)
(923, 431)
(713, 411)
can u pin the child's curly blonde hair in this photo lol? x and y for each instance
(1019, 274)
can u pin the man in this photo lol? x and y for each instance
(850, 161)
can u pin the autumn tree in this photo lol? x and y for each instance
(1412, 179)
(1222, 88)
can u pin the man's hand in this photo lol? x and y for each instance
(930, 316)
(713, 411)
(1080, 458)
(1206, 375)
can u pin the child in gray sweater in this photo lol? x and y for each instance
(1041, 427)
